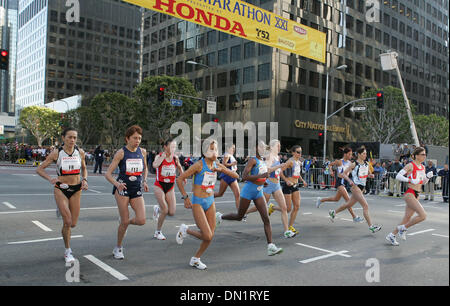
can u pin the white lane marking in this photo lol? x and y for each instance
(346, 219)
(107, 268)
(188, 225)
(401, 205)
(357, 208)
(421, 232)
(95, 191)
(42, 226)
(9, 205)
(307, 213)
(396, 211)
(440, 235)
(323, 256)
(42, 240)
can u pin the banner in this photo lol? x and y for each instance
(246, 21)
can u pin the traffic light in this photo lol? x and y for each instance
(321, 137)
(4, 59)
(215, 119)
(380, 99)
(161, 90)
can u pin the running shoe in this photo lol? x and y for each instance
(332, 215)
(181, 233)
(195, 262)
(358, 219)
(289, 234)
(374, 228)
(69, 258)
(318, 202)
(218, 218)
(244, 218)
(402, 232)
(158, 235)
(292, 229)
(273, 250)
(155, 212)
(391, 239)
(118, 253)
(271, 210)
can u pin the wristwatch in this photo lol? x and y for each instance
(184, 198)
(84, 179)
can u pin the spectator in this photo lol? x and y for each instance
(394, 185)
(444, 182)
(429, 187)
(405, 152)
(314, 174)
(397, 152)
(98, 153)
(306, 166)
(327, 173)
(378, 172)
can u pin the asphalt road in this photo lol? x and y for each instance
(341, 253)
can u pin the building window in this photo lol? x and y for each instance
(263, 98)
(264, 72)
(249, 50)
(249, 75)
(235, 77)
(235, 53)
(222, 80)
(222, 57)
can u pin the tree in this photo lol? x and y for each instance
(42, 122)
(158, 117)
(116, 112)
(390, 124)
(86, 121)
(432, 129)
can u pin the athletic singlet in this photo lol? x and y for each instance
(418, 173)
(230, 161)
(360, 174)
(167, 171)
(276, 173)
(341, 169)
(259, 168)
(131, 167)
(206, 179)
(68, 164)
(293, 172)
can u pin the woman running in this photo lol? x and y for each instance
(70, 163)
(255, 175)
(360, 173)
(341, 183)
(166, 165)
(291, 187)
(413, 174)
(133, 170)
(227, 181)
(274, 188)
(202, 203)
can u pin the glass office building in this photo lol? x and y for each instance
(254, 82)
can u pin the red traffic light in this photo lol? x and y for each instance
(379, 94)
(216, 120)
(161, 89)
(320, 134)
(4, 53)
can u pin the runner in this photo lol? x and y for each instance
(70, 163)
(360, 173)
(413, 174)
(132, 163)
(290, 185)
(231, 163)
(255, 175)
(274, 189)
(341, 183)
(166, 165)
(202, 203)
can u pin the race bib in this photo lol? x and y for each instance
(296, 172)
(277, 173)
(209, 181)
(70, 165)
(134, 167)
(168, 171)
(262, 168)
(363, 172)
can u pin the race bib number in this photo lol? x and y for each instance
(168, 171)
(70, 165)
(277, 173)
(363, 172)
(134, 167)
(209, 180)
(296, 172)
(262, 168)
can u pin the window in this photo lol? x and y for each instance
(302, 76)
(235, 77)
(300, 102)
(249, 50)
(286, 99)
(313, 104)
(211, 37)
(221, 80)
(235, 54)
(263, 49)
(264, 72)
(249, 75)
(222, 57)
(314, 79)
(263, 98)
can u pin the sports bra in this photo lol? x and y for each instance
(293, 172)
(207, 178)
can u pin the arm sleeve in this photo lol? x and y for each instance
(401, 176)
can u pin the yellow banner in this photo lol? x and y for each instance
(247, 21)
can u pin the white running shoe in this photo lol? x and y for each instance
(318, 202)
(289, 234)
(69, 258)
(273, 250)
(155, 212)
(358, 219)
(401, 232)
(218, 218)
(181, 233)
(244, 218)
(118, 253)
(332, 215)
(374, 228)
(195, 262)
(391, 239)
(159, 235)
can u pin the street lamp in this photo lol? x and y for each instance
(342, 67)
(207, 67)
(389, 62)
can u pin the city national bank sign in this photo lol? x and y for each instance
(246, 21)
(320, 127)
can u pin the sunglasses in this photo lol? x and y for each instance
(298, 152)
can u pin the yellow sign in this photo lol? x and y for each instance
(317, 126)
(246, 21)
